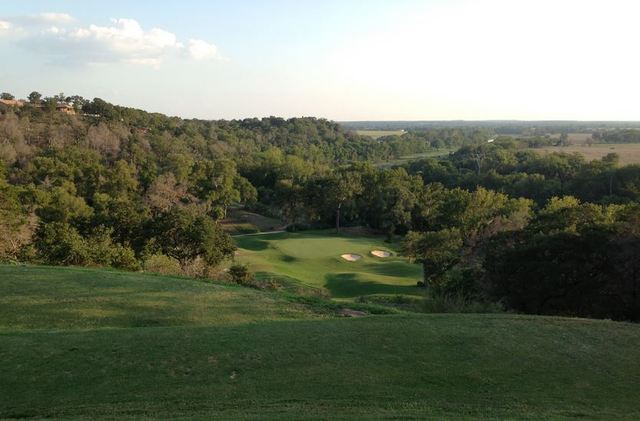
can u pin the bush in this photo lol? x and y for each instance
(438, 302)
(59, 243)
(165, 265)
(241, 275)
(124, 258)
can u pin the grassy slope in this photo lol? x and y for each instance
(34, 297)
(314, 258)
(443, 366)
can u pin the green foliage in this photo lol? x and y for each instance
(240, 274)
(165, 265)
(184, 234)
(439, 301)
(437, 251)
(585, 264)
(34, 97)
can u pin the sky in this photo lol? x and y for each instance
(338, 59)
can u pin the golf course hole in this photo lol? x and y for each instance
(349, 257)
(381, 253)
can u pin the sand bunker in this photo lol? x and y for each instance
(380, 253)
(351, 257)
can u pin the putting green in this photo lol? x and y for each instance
(314, 258)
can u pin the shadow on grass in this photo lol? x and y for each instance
(347, 285)
(395, 268)
(252, 243)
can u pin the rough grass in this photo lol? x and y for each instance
(204, 367)
(313, 258)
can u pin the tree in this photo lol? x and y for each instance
(34, 97)
(50, 103)
(185, 234)
(15, 231)
(7, 96)
(437, 251)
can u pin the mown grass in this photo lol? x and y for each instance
(229, 362)
(40, 297)
(313, 258)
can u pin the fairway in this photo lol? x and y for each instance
(238, 353)
(314, 258)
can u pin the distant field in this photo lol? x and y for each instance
(629, 152)
(435, 153)
(313, 258)
(380, 133)
(575, 138)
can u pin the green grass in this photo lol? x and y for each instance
(313, 258)
(33, 297)
(225, 361)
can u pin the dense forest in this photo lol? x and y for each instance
(120, 187)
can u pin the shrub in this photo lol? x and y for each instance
(165, 265)
(439, 302)
(241, 275)
(124, 258)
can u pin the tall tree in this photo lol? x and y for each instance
(437, 251)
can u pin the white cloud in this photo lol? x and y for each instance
(48, 18)
(124, 41)
(4, 26)
(202, 50)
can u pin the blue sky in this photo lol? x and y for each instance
(344, 60)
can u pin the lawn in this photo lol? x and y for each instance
(227, 361)
(313, 258)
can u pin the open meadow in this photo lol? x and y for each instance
(136, 346)
(629, 152)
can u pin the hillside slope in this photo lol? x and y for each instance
(440, 366)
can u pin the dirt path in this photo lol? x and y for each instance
(259, 233)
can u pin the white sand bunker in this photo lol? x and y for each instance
(380, 253)
(351, 257)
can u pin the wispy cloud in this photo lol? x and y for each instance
(123, 41)
(48, 18)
